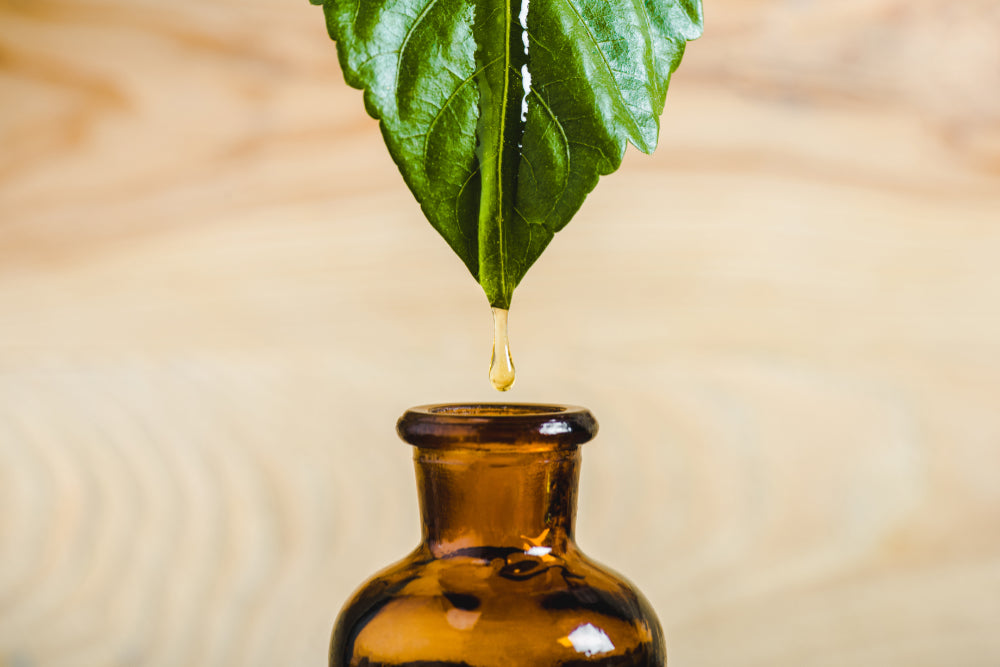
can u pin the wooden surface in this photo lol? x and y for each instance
(216, 296)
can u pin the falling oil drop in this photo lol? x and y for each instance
(501, 364)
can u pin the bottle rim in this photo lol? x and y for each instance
(492, 425)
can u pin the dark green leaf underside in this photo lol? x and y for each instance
(499, 166)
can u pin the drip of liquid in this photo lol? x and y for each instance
(501, 364)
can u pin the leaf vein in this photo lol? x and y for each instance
(406, 42)
(458, 198)
(643, 11)
(447, 102)
(604, 59)
(566, 151)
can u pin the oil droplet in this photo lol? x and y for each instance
(501, 364)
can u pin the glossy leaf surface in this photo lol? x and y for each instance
(502, 114)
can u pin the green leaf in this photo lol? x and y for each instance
(502, 115)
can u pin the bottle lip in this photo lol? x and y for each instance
(492, 425)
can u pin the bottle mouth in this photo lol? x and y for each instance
(496, 409)
(489, 425)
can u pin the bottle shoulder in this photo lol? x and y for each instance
(487, 607)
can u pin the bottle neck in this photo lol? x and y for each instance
(475, 498)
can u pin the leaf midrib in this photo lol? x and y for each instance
(501, 254)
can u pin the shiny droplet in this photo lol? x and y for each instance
(501, 364)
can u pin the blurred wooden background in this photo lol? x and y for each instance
(216, 296)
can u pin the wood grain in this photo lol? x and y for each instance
(216, 296)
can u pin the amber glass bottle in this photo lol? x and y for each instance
(498, 580)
